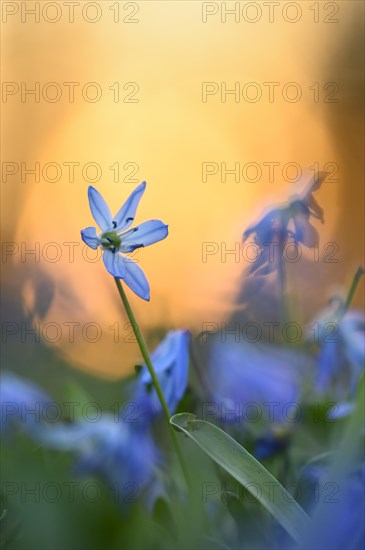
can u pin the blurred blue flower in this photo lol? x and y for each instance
(275, 441)
(23, 403)
(341, 357)
(116, 239)
(341, 410)
(171, 363)
(254, 382)
(338, 517)
(123, 454)
(290, 219)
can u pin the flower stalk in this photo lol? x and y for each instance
(146, 356)
(359, 273)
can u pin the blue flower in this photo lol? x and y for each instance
(341, 356)
(341, 410)
(290, 219)
(254, 382)
(171, 363)
(275, 441)
(123, 454)
(23, 403)
(338, 518)
(116, 239)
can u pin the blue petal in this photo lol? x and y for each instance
(304, 230)
(329, 365)
(341, 410)
(182, 341)
(115, 263)
(120, 452)
(269, 227)
(127, 212)
(353, 332)
(144, 234)
(99, 209)
(339, 525)
(269, 444)
(15, 389)
(136, 279)
(171, 363)
(242, 373)
(90, 237)
(63, 437)
(17, 396)
(304, 192)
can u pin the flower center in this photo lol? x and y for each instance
(110, 240)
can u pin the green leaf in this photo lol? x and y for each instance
(241, 465)
(163, 516)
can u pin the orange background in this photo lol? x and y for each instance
(169, 133)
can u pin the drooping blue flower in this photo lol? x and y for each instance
(251, 383)
(122, 454)
(116, 239)
(23, 403)
(288, 220)
(171, 363)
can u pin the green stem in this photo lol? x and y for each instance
(146, 356)
(353, 287)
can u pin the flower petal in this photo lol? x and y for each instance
(127, 212)
(240, 373)
(118, 451)
(270, 444)
(182, 341)
(303, 189)
(314, 208)
(305, 232)
(90, 237)
(340, 410)
(99, 209)
(115, 263)
(17, 395)
(271, 227)
(330, 359)
(144, 234)
(171, 363)
(136, 279)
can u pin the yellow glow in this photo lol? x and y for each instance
(169, 133)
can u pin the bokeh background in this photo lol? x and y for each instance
(167, 135)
